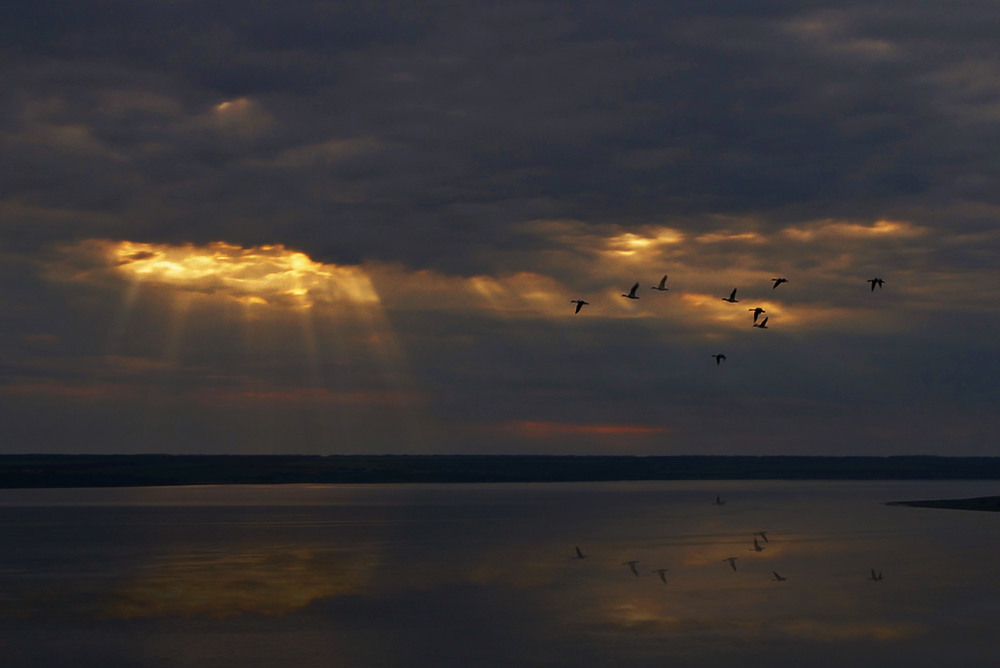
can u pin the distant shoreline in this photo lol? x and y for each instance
(35, 471)
(984, 503)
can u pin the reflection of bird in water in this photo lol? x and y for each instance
(719, 358)
(662, 572)
(631, 293)
(778, 578)
(875, 577)
(756, 312)
(579, 554)
(757, 547)
(778, 281)
(763, 534)
(579, 304)
(719, 501)
(732, 561)
(631, 565)
(732, 297)
(662, 286)
(874, 282)
(762, 324)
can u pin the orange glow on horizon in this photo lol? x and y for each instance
(542, 429)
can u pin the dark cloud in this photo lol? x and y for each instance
(546, 147)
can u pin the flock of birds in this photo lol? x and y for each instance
(757, 547)
(719, 358)
(756, 310)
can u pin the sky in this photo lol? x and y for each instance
(356, 227)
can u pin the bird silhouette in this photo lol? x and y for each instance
(757, 547)
(763, 534)
(778, 281)
(874, 282)
(662, 286)
(719, 501)
(662, 572)
(777, 578)
(579, 304)
(732, 297)
(756, 312)
(732, 561)
(875, 577)
(719, 358)
(631, 565)
(631, 293)
(579, 554)
(762, 324)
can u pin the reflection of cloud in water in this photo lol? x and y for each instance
(224, 584)
(489, 571)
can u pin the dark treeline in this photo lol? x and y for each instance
(146, 470)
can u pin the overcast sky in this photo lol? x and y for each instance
(357, 227)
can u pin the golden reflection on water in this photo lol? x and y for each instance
(219, 585)
(483, 557)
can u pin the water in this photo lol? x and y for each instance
(460, 575)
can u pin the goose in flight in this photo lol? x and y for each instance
(732, 561)
(762, 324)
(763, 534)
(631, 565)
(579, 304)
(875, 577)
(756, 312)
(719, 501)
(732, 297)
(719, 358)
(778, 281)
(662, 286)
(631, 293)
(579, 554)
(777, 578)
(662, 572)
(874, 282)
(757, 547)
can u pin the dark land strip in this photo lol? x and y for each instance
(23, 471)
(989, 503)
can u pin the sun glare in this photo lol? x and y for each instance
(261, 275)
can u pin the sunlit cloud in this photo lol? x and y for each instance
(262, 275)
(826, 229)
(719, 237)
(631, 243)
(241, 116)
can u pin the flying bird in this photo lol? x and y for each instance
(719, 358)
(719, 501)
(631, 565)
(662, 572)
(732, 297)
(732, 561)
(763, 534)
(875, 578)
(662, 286)
(874, 282)
(579, 554)
(777, 578)
(757, 547)
(762, 324)
(778, 281)
(756, 312)
(579, 304)
(631, 293)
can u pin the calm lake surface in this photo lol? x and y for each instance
(484, 575)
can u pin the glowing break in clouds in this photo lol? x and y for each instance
(260, 275)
